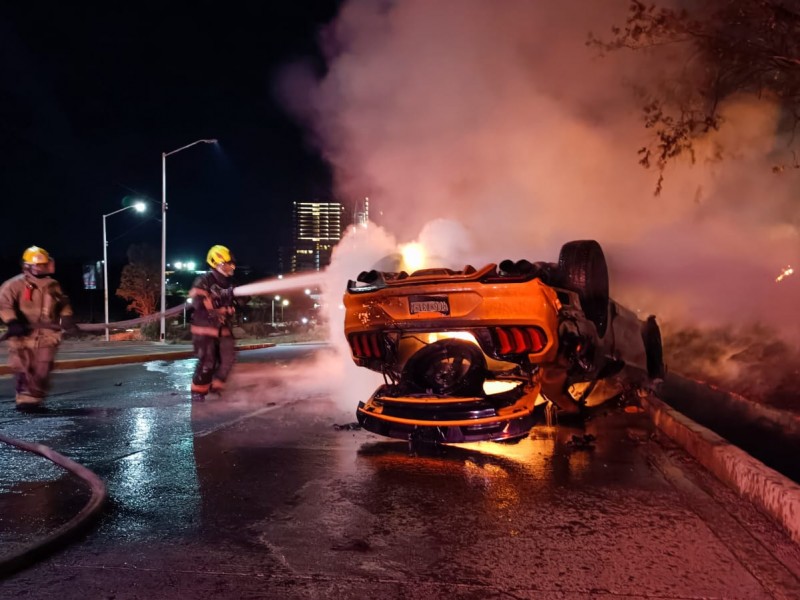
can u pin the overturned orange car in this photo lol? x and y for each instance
(468, 355)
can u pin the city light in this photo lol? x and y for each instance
(185, 265)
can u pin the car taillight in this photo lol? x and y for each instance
(367, 345)
(519, 340)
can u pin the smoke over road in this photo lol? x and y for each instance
(498, 122)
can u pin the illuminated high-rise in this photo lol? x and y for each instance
(317, 229)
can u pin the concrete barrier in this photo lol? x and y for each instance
(773, 493)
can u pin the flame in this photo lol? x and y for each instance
(435, 336)
(413, 256)
(784, 274)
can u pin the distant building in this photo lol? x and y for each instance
(317, 229)
(361, 212)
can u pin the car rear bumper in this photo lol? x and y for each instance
(450, 419)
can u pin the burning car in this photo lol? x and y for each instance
(467, 355)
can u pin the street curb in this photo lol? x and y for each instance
(773, 493)
(122, 359)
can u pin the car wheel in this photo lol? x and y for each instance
(583, 267)
(447, 367)
(654, 351)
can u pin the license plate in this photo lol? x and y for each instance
(420, 304)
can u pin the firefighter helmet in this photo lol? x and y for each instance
(37, 261)
(35, 256)
(219, 255)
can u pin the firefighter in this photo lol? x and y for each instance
(212, 323)
(35, 310)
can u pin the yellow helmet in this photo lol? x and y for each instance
(219, 255)
(37, 261)
(35, 256)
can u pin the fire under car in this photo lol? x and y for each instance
(468, 355)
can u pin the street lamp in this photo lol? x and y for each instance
(164, 156)
(284, 304)
(276, 298)
(185, 304)
(138, 207)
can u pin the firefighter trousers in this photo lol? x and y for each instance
(215, 358)
(32, 367)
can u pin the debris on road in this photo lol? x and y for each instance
(582, 442)
(347, 427)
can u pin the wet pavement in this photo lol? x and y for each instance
(36, 498)
(259, 495)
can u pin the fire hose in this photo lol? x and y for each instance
(115, 325)
(170, 312)
(11, 563)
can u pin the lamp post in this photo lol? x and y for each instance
(138, 207)
(276, 298)
(284, 304)
(164, 156)
(185, 304)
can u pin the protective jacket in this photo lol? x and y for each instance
(213, 311)
(38, 303)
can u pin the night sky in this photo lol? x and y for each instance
(93, 93)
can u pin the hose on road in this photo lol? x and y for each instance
(28, 555)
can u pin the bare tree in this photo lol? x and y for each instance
(734, 47)
(140, 283)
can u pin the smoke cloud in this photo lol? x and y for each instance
(492, 131)
(501, 119)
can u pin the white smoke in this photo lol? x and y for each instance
(499, 120)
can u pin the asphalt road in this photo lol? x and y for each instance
(259, 495)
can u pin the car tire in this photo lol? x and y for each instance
(654, 350)
(583, 267)
(449, 367)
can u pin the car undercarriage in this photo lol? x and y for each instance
(468, 355)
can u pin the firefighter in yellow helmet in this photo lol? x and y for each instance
(214, 310)
(35, 310)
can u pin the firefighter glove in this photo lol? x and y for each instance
(16, 329)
